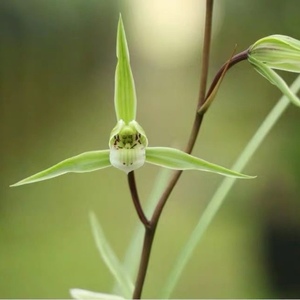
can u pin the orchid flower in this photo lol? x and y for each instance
(128, 144)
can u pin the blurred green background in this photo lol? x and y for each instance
(57, 63)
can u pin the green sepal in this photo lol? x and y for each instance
(275, 79)
(125, 96)
(179, 160)
(85, 162)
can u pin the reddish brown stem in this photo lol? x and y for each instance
(136, 199)
(150, 226)
(150, 230)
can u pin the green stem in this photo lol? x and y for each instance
(223, 190)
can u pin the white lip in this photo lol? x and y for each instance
(127, 160)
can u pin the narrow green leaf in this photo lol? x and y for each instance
(179, 160)
(125, 96)
(275, 79)
(110, 259)
(88, 295)
(85, 162)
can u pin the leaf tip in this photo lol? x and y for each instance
(18, 183)
(122, 47)
(248, 177)
(92, 215)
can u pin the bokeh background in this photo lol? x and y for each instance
(57, 63)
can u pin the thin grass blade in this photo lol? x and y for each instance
(110, 259)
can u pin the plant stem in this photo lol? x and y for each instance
(205, 52)
(150, 230)
(147, 246)
(136, 199)
(198, 117)
(234, 60)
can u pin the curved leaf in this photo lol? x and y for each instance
(179, 160)
(85, 162)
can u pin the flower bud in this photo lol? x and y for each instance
(277, 52)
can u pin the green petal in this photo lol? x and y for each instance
(85, 162)
(179, 160)
(275, 79)
(125, 97)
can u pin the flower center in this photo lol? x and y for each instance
(127, 147)
(127, 141)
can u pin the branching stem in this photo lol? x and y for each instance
(150, 231)
(150, 226)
